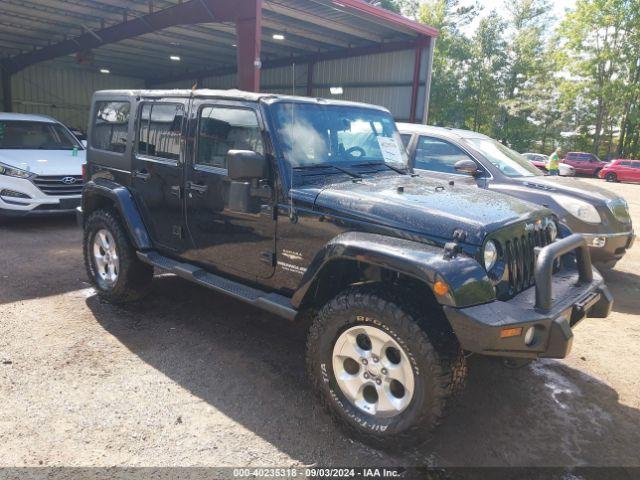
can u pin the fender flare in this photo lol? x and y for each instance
(467, 280)
(124, 203)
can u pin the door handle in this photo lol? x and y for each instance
(142, 175)
(196, 187)
(176, 191)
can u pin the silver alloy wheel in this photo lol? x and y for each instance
(373, 371)
(106, 256)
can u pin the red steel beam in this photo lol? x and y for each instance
(249, 35)
(185, 13)
(415, 89)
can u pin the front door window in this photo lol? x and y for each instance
(224, 129)
(438, 155)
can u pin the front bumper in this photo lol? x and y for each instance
(552, 308)
(33, 201)
(609, 247)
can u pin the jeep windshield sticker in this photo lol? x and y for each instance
(390, 150)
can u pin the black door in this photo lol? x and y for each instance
(158, 171)
(241, 243)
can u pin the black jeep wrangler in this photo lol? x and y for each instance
(306, 208)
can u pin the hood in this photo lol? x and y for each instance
(44, 162)
(563, 185)
(424, 206)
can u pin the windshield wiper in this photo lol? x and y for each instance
(328, 165)
(395, 169)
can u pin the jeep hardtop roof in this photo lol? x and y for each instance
(232, 94)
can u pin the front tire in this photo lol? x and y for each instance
(377, 372)
(611, 177)
(111, 261)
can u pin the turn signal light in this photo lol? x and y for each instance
(440, 288)
(510, 332)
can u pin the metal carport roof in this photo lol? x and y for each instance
(136, 37)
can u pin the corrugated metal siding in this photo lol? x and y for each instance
(382, 67)
(381, 79)
(62, 93)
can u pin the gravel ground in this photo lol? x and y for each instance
(191, 378)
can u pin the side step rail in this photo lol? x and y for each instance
(271, 302)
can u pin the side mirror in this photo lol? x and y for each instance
(246, 165)
(84, 143)
(246, 169)
(467, 167)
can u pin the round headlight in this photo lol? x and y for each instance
(490, 255)
(530, 336)
(553, 231)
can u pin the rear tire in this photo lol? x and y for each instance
(378, 373)
(111, 261)
(611, 177)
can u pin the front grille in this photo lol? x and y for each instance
(59, 185)
(519, 259)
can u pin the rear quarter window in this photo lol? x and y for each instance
(111, 126)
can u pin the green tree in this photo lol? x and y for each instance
(528, 73)
(486, 79)
(534, 83)
(449, 106)
(602, 56)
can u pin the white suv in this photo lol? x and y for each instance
(40, 166)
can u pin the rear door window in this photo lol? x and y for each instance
(111, 125)
(160, 130)
(438, 155)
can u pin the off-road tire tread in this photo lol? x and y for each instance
(446, 362)
(135, 277)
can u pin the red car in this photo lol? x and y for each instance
(584, 163)
(621, 171)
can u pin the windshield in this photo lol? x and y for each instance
(511, 163)
(336, 135)
(26, 135)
